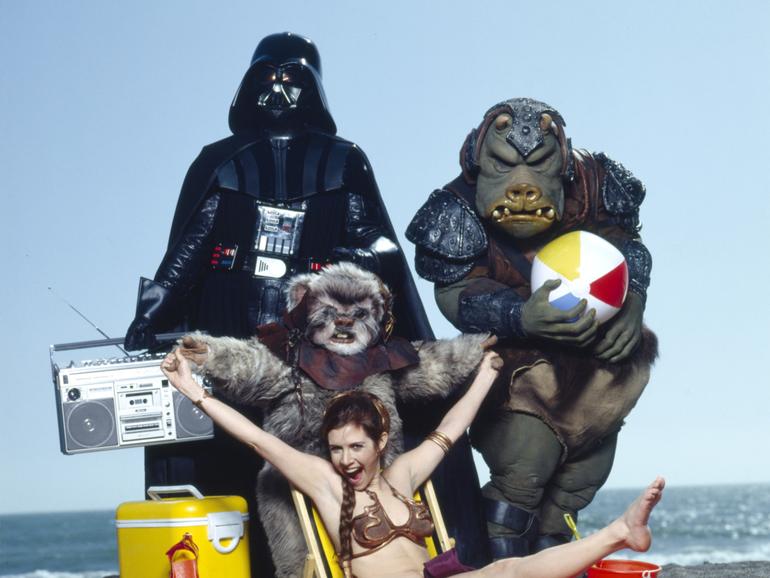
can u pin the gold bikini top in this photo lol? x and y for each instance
(373, 529)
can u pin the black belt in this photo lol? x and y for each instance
(226, 257)
(294, 265)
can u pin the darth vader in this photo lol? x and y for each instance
(283, 195)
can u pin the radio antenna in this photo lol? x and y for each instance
(86, 319)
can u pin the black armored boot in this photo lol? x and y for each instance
(548, 541)
(512, 530)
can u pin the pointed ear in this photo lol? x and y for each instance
(298, 287)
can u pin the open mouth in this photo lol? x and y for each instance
(504, 214)
(354, 476)
(342, 336)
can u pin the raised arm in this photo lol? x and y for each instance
(419, 463)
(310, 474)
(244, 369)
(444, 367)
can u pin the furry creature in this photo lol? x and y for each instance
(334, 337)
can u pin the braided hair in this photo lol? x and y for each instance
(368, 412)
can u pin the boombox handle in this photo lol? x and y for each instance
(107, 342)
(99, 343)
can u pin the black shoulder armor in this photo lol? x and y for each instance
(622, 193)
(449, 237)
(447, 227)
(639, 263)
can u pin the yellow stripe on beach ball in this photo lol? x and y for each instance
(563, 255)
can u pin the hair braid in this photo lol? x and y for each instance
(367, 411)
(346, 527)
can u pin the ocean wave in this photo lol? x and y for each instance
(702, 554)
(50, 574)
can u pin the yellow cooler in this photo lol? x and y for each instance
(218, 526)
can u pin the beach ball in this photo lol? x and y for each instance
(589, 267)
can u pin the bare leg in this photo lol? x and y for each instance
(628, 531)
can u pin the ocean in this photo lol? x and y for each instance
(691, 525)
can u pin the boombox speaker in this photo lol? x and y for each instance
(90, 424)
(111, 403)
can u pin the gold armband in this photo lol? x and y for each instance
(441, 440)
(199, 402)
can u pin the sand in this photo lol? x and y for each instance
(732, 570)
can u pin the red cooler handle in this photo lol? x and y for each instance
(186, 567)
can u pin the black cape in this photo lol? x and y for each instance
(411, 320)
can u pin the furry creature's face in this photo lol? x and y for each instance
(343, 327)
(346, 306)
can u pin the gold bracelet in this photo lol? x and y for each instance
(441, 440)
(199, 402)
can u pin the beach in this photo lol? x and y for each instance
(733, 570)
(698, 532)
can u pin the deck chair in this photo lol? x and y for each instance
(321, 559)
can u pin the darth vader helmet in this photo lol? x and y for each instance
(282, 88)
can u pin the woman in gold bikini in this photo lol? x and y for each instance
(377, 530)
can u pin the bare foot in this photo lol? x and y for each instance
(633, 523)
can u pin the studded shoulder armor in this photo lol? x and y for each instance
(639, 261)
(622, 193)
(449, 237)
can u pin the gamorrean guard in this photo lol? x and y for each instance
(549, 435)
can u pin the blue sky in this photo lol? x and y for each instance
(104, 105)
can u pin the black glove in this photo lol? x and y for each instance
(380, 257)
(140, 335)
(154, 311)
(364, 258)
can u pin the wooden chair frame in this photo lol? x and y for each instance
(321, 559)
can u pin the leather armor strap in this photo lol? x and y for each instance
(508, 547)
(523, 523)
(511, 517)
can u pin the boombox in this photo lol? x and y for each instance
(119, 402)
